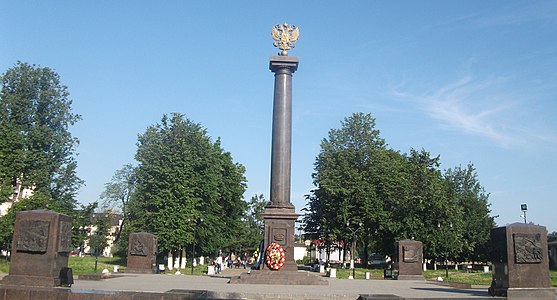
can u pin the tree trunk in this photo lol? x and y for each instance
(328, 252)
(119, 232)
(366, 251)
(344, 252)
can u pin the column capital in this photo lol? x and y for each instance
(283, 62)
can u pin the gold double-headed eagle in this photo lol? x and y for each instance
(285, 36)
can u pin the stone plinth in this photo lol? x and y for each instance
(279, 228)
(41, 245)
(409, 260)
(520, 262)
(142, 253)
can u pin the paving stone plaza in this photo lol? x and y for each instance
(218, 288)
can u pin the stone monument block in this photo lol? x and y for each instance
(520, 262)
(40, 248)
(279, 228)
(409, 259)
(142, 253)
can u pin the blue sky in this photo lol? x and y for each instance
(472, 81)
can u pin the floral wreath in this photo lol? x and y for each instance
(275, 256)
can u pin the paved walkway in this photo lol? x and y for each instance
(218, 287)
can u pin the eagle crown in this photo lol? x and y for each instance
(285, 36)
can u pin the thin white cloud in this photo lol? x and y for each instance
(470, 107)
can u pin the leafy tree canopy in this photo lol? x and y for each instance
(188, 190)
(118, 192)
(37, 150)
(394, 196)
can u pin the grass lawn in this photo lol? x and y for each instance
(86, 264)
(4, 268)
(474, 278)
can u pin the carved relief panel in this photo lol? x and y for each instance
(33, 236)
(411, 254)
(527, 248)
(65, 237)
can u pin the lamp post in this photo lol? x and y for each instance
(193, 246)
(523, 208)
(446, 250)
(353, 248)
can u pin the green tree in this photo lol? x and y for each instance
(346, 172)
(37, 150)
(183, 177)
(118, 192)
(551, 237)
(98, 240)
(426, 213)
(81, 221)
(394, 196)
(466, 191)
(254, 224)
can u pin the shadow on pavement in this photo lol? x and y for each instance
(445, 290)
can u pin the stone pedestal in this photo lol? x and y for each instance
(142, 253)
(41, 245)
(520, 262)
(409, 260)
(280, 228)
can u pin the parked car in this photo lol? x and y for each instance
(377, 259)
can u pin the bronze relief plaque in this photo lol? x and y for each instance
(33, 236)
(527, 248)
(65, 240)
(411, 254)
(138, 248)
(279, 236)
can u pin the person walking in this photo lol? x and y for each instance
(218, 264)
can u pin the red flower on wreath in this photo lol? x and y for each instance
(275, 256)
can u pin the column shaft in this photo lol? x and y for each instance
(283, 67)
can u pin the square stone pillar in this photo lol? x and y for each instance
(41, 246)
(409, 259)
(142, 253)
(520, 262)
(280, 228)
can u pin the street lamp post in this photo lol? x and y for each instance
(193, 246)
(446, 251)
(353, 248)
(524, 208)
